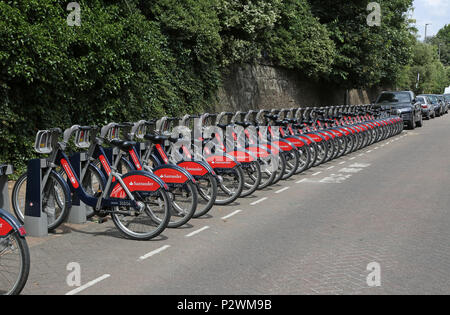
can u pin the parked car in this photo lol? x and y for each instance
(447, 98)
(443, 103)
(436, 103)
(427, 107)
(404, 104)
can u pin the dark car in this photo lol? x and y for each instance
(427, 107)
(438, 108)
(404, 104)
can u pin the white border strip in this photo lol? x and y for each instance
(231, 214)
(88, 285)
(258, 201)
(156, 251)
(197, 231)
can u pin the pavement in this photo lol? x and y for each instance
(320, 232)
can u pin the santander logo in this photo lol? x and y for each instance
(141, 184)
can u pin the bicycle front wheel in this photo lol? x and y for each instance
(145, 224)
(14, 264)
(184, 203)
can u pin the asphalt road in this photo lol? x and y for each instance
(314, 234)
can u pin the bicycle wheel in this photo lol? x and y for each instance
(14, 264)
(145, 224)
(268, 170)
(292, 162)
(322, 152)
(207, 190)
(230, 185)
(281, 167)
(304, 158)
(252, 177)
(183, 203)
(18, 197)
(55, 200)
(93, 185)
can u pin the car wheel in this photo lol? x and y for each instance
(420, 122)
(412, 124)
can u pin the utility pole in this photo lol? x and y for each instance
(425, 38)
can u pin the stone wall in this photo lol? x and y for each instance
(264, 86)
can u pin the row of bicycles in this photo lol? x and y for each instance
(153, 174)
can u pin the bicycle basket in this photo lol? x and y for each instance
(43, 144)
(141, 131)
(82, 139)
(113, 133)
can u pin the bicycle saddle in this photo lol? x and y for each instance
(244, 124)
(123, 145)
(159, 138)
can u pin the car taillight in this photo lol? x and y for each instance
(424, 106)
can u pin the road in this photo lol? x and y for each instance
(314, 234)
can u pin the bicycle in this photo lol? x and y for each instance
(14, 252)
(137, 202)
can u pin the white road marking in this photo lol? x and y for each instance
(369, 151)
(352, 158)
(357, 165)
(231, 214)
(301, 181)
(315, 174)
(342, 163)
(281, 190)
(330, 167)
(376, 148)
(350, 170)
(361, 154)
(154, 252)
(335, 178)
(197, 231)
(88, 285)
(258, 201)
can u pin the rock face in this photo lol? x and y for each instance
(265, 86)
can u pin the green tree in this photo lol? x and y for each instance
(366, 56)
(425, 65)
(298, 41)
(442, 43)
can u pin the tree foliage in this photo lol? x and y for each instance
(366, 56)
(134, 59)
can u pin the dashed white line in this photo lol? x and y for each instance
(258, 201)
(281, 190)
(154, 252)
(197, 231)
(330, 167)
(88, 285)
(352, 158)
(301, 181)
(231, 214)
(315, 174)
(361, 154)
(369, 151)
(342, 163)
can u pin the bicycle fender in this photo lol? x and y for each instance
(137, 181)
(9, 224)
(173, 174)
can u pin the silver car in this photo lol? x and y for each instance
(427, 107)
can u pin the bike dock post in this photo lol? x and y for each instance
(78, 211)
(36, 222)
(5, 170)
